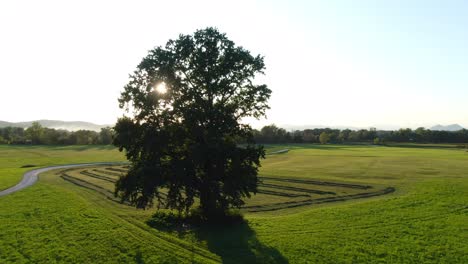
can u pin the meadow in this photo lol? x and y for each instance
(16, 160)
(71, 217)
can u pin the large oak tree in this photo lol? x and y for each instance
(184, 134)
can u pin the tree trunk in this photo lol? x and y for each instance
(207, 202)
(207, 197)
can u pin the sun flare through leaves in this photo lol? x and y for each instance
(161, 88)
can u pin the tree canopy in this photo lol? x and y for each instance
(324, 138)
(185, 133)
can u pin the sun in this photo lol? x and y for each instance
(161, 88)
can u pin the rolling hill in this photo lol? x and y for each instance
(453, 127)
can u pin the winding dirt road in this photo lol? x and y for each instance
(30, 177)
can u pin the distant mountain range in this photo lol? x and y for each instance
(57, 124)
(453, 127)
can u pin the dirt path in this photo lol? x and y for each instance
(278, 152)
(30, 177)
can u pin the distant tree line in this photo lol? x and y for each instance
(273, 134)
(36, 134)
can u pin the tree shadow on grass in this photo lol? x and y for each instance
(230, 238)
(237, 243)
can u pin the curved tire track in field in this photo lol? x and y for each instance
(292, 204)
(30, 177)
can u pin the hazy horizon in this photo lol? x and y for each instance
(289, 127)
(329, 63)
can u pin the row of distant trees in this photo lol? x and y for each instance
(39, 135)
(274, 134)
(36, 134)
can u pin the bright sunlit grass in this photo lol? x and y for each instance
(422, 222)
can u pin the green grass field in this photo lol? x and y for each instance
(12, 158)
(422, 221)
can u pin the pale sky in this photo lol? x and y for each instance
(331, 63)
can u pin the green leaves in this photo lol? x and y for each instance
(186, 141)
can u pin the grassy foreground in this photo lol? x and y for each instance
(424, 221)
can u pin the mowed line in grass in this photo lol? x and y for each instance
(270, 196)
(423, 222)
(180, 251)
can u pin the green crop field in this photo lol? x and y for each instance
(316, 204)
